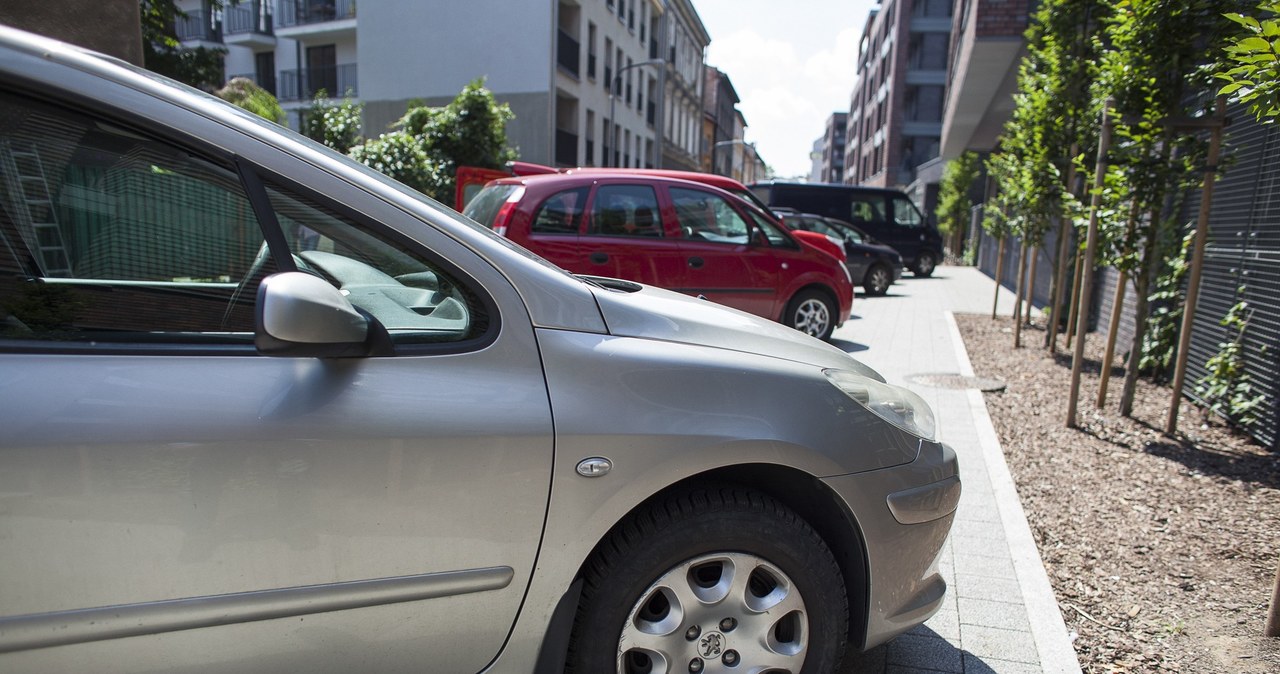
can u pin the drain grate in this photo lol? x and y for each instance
(955, 381)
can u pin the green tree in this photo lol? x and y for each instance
(1158, 54)
(954, 202)
(1251, 67)
(162, 53)
(243, 92)
(428, 144)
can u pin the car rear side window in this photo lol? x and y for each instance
(107, 236)
(484, 208)
(561, 213)
(625, 210)
(708, 217)
(863, 210)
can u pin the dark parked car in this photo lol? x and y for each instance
(888, 215)
(872, 264)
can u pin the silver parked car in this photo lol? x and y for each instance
(263, 409)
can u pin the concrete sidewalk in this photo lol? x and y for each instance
(1000, 614)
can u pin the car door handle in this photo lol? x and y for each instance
(599, 258)
(695, 262)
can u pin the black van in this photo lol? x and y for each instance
(887, 215)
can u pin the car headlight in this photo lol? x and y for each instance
(894, 404)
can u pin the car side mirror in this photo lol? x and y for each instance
(303, 316)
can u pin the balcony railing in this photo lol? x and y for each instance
(566, 148)
(304, 83)
(303, 12)
(197, 26)
(253, 16)
(567, 53)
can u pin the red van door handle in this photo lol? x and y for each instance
(695, 262)
(599, 257)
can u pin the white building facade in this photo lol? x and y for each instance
(552, 61)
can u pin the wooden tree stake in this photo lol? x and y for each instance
(1090, 248)
(1197, 262)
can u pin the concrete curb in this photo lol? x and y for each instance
(1048, 629)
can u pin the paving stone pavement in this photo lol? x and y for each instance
(999, 615)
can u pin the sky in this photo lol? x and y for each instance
(792, 64)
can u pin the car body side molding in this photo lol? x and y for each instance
(42, 630)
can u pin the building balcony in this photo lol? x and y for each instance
(198, 26)
(304, 83)
(299, 19)
(567, 53)
(249, 24)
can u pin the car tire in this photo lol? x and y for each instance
(811, 312)
(877, 280)
(925, 264)
(667, 588)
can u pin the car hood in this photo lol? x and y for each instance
(646, 312)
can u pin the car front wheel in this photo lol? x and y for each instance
(813, 313)
(878, 280)
(716, 580)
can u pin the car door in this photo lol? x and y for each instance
(720, 261)
(168, 495)
(626, 236)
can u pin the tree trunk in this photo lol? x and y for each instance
(1117, 306)
(1034, 252)
(999, 277)
(1017, 302)
(1273, 616)
(1141, 307)
(1058, 288)
(1077, 280)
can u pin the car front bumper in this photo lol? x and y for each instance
(905, 514)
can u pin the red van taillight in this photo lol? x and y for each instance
(508, 211)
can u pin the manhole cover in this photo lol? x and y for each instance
(955, 381)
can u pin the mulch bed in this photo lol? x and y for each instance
(1162, 551)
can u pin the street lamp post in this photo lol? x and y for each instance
(724, 143)
(613, 96)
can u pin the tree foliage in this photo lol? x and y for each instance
(162, 53)
(1251, 66)
(243, 92)
(954, 202)
(428, 144)
(336, 125)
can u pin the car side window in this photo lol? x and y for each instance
(772, 233)
(625, 210)
(418, 301)
(905, 213)
(863, 210)
(708, 217)
(561, 213)
(107, 236)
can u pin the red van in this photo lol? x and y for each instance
(676, 234)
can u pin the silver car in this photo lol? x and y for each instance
(263, 409)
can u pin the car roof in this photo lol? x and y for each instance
(591, 176)
(831, 186)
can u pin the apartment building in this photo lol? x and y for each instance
(554, 62)
(720, 117)
(895, 113)
(987, 46)
(831, 169)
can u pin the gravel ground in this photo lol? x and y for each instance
(1162, 551)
